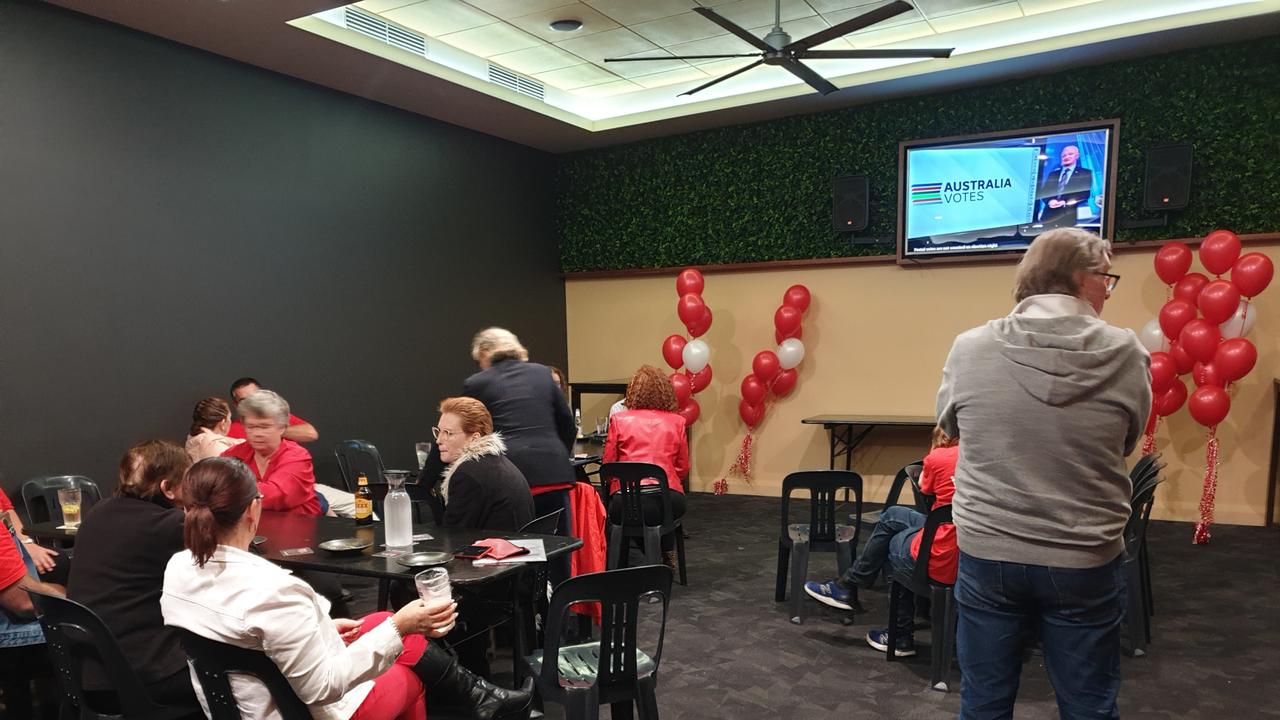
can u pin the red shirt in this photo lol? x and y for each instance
(939, 479)
(289, 483)
(5, 503)
(650, 436)
(237, 428)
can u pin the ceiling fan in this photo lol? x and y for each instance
(778, 49)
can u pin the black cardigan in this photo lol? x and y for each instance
(488, 492)
(533, 417)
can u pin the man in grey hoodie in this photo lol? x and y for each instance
(1049, 400)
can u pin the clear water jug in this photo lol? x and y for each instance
(397, 510)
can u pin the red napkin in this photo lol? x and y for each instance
(500, 548)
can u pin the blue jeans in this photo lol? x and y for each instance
(889, 544)
(1077, 613)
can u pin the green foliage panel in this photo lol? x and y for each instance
(763, 192)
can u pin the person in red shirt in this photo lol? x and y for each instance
(299, 430)
(895, 541)
(53, 566)
(651, 431)
(285, 475)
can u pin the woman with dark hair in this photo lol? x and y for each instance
(651, 431)
(376, 668)
(210, 421)
(122, 548)
(481, 488)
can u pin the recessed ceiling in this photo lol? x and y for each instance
(498, 67)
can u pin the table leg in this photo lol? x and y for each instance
(384, 593)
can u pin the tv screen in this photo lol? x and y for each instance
(987, 194)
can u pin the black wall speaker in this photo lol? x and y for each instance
(1168, 179)
(849, 203)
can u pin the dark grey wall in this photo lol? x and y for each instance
(171, 220)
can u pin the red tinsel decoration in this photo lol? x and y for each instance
(1201, 536)
(1149, 444)
(721, 486)
(741, 466)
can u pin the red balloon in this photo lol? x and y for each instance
(1189, 287)
(785, 382)
(700, 380)
(1218, 301)
(1172, 399)
(1174, 316)
(690, 411)
(753, 391)
(1173, 259)
(1200, 339)
(1234, 358)
(1252, 273)
(683, 387)
(1209, 405)
(1151, 418)
(673, 351)
(787, 319)
(779, 337)
(1219, 250)
(689, 282)
(690, 308)
(797, 296)
(765, 365)
(701, 327)
(750, 414)
(1163, 372)
(1181, 360)
(1206, 374)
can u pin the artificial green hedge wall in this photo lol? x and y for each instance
(763, 192)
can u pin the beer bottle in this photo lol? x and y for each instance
(364, 501)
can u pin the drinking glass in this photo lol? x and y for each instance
(602, 425)
(424, 451)
(433, 585)
(69, 499)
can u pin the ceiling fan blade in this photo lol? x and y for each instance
(851, 25)
(816, 81)
(727, 24)
(721, 79)
(682, 57)
(872, 54)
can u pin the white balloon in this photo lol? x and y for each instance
(1152, 336)
(790, 353)
(1241, 323)
(696, 355)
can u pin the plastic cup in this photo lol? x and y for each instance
(433, 585)
(69, 500)
(423, 450)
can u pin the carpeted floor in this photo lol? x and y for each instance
(730, 651)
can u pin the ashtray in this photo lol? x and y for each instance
(424, 559)
(345, 545)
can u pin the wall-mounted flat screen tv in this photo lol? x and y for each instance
(992, 194)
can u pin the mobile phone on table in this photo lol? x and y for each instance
(471, 551)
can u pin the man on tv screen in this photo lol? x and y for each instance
(1063, 190)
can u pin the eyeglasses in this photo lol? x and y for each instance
(436, 432)
(1112, 280)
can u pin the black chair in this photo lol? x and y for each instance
(1137, 622)
(548, 524)
(359, 456)
(631, 524)
(214, 661)
(531, 594)
(76, 637)
(613, 670)
(942, 604)
(909, 473)
(821, 533)
(40, 495)
(1146, 472)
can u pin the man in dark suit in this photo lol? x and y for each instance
(1063, 190)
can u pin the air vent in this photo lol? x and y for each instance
(379, 29)
(516, 83)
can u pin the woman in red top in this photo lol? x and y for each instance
(650, 431)
(895, 541)
(286, 478)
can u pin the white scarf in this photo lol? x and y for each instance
(491, 444)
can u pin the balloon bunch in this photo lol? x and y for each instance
(773, 374)
(693, 354)
(1200, 331)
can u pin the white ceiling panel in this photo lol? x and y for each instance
(718, 45)
(938, 8)
(976, 18)
(609, 89)
(634, 70)
(507, 9)
(577, 76)
(677, 29)
(381, 6)
(631, 12)
(798, 28)
(840, 16)
(827, 6)
(491, 40)
(752, 13)
(1035, 7)
(611, 43)
(439, 17)
(895, 34)
(690, 75)
(539, 24)
(541, 58)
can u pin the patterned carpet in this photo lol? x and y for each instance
(730, 651)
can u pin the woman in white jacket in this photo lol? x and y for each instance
(376, 668)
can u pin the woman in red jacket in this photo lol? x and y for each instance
(650, 431)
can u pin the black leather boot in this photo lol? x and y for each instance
(447, 681)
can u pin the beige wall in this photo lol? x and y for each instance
(876, 337)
